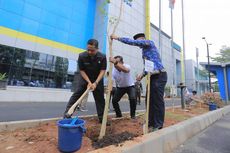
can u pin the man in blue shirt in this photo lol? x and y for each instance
(158, 77)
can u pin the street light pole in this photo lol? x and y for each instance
(209, 75)
(198, 73)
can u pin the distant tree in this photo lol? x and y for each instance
(12, 61)
(223, 56)
(203, 72)
(6, 57)
(61, 69)
(216, 87)
(35, 57)
(19, 62)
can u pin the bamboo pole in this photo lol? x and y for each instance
(106, 109)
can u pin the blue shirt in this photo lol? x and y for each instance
(149, 51)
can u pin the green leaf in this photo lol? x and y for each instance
(223, 56)
(2, 76)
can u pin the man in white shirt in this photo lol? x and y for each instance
(125, 84)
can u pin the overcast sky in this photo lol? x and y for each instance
(203, 18)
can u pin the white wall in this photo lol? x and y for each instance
(132, 22)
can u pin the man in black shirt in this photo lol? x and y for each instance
(92, 65)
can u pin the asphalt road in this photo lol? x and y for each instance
(215, 139)
(15, 111)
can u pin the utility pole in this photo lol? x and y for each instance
(184, 76)
(198, 71)
(160, 48)
(209, 75)
(172, 50)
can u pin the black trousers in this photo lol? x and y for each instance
(132, 100)
(156, 103)
(112, 93)
(98, 95)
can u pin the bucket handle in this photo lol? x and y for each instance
(83, 129)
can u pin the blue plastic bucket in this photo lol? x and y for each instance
(70, 132)
(212, 106)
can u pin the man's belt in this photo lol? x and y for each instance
(157, 71)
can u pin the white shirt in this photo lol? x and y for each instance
(106, 82)
(123, 79)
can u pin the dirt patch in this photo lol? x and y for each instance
(43, 139)
(113, 139)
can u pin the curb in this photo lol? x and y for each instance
(167, 139)
(14, 125)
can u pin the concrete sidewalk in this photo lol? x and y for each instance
(36, 94)
(214, 139)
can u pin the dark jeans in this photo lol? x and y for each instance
(156, 103)
(98, 95)
(112, 93)
(132, 100)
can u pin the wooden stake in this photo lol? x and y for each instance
(146, 126)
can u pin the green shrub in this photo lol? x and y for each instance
(2, 76)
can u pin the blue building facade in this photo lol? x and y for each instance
(68, 22)
(40, 40)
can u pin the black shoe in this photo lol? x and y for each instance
(133, 117)
(160, 127)
(107, 124)
(153, 129)
(118, 116)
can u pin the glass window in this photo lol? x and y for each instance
(34, 69)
